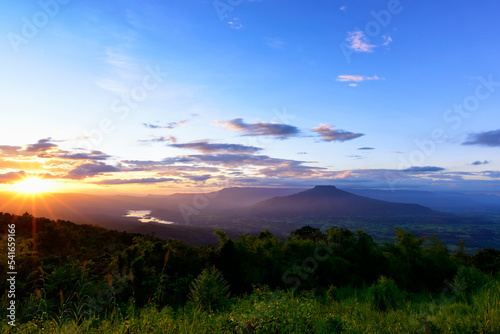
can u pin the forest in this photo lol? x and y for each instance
(86, 279)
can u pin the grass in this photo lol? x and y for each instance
(342, 310)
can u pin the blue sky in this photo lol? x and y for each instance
(162, 96)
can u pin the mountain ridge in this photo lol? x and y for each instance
(328, 200)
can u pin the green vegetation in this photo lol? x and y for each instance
(85, 279)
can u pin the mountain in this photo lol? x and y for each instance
(330, 201)
(109, 211)
(233, 197)
(441, 201)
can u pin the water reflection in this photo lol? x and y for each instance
(144, 216)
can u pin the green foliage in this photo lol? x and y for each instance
(487, 260)
(331, 293)
(385, 294)
(266, 311)
(308, 232)
(467, 281)
(209, 291)
(99, 281)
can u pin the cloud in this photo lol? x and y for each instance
(279, 130)
(268, 171)
(159, 139)
(92, 155)
(257, 166)
(343, 8)
(358, 41)
(12, 177)
(43, 145)
(121, 69)
(238, 159)
(492, 174)
(180, 159)
(387, 40)
(89, 170)
(198, 178)
(7, 150)
(167, 166)
(488, 138)
(235, 23)
(46, 149)
(356, 78)
(205, 147)
(132, 181)
(366, 148)
(171, 125)
(328, 133)
(424, 169)
(292, 171)
(476, 163)
(275, 43)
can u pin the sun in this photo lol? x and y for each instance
(34, 185)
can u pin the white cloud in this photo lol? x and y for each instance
(120, 72)
(275, 43)
(387, 40)
(358, 41)
(343, 8)
(356, 78)
(235, 23)
(329, 133)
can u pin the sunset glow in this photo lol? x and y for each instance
(34, 185)
(160, 98)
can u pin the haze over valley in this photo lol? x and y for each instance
(193, 217)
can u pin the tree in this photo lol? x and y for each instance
(308, 232)
(209, 291)
(487, 260)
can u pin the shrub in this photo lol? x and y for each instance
(385, 294)
(467, 281)
(331, 294)
(209, 291)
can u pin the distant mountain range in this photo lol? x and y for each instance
(321, 200)
(249, 210)
(328, 201)
(234, 197)
(442, 201)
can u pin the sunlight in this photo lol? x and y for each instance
(34, 185)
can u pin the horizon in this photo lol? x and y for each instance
(185, 97)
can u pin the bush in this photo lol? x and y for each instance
(385, 294)
(467, 281)
(209, 291)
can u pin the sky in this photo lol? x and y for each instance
(181, 95)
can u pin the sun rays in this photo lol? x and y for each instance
(34, 185)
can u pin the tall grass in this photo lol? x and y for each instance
(342, 310)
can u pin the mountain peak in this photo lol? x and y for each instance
(329, 201)
(325, 187)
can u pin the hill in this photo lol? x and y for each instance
(441, 201)
(328, 201)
